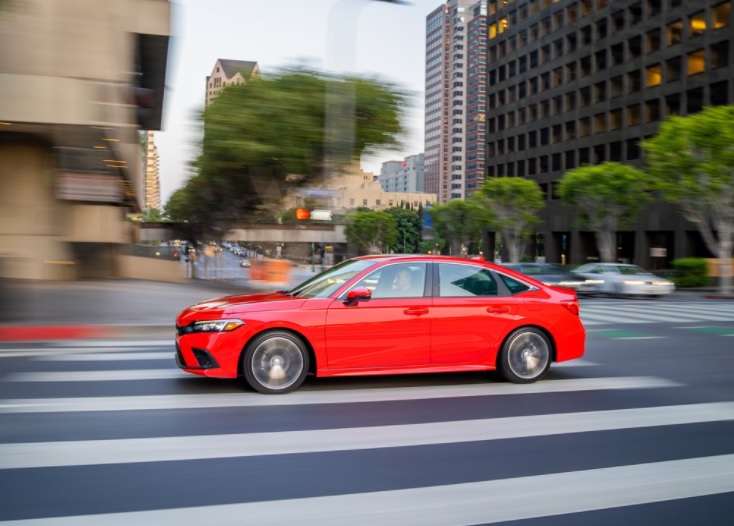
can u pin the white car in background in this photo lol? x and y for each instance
(621, 279)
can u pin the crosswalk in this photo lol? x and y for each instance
(83, 441)
(608, 313)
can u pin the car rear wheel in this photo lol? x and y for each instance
(275, 362)
(525, 357)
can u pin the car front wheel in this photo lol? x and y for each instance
(275, 362)
(525, 357)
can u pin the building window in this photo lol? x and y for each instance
(720, 54)
(697, 23)
(674, 33)
(653, 76)
(673, 69)
(615, 119)
(696, 62)
(599, 123)
(633, 115)
(652, 111)
(720, 15)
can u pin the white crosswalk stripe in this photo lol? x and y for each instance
(83, 453)
(486, 502)
(654, 312)
(303, 397)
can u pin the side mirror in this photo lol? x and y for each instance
(358, 294)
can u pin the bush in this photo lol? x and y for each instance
(690, 272)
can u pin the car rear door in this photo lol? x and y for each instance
(470, 314)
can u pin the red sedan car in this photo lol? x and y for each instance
(385, 315)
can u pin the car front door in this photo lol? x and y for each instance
(391, 329)
(470, 315)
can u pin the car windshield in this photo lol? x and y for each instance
(324, 284)
(630, 270)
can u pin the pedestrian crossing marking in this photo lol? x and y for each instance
(165, 449)
(106, 357)
(636, 313)
(95, 376)
(326, 396)
(463, 504)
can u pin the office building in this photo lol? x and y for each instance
(152, 173)
(403, 176)
(454, 106)
(575, 82)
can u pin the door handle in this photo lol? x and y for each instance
(498, 309)
(416, 312)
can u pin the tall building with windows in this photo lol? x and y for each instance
(152, 174)
(453, 64)
(403, 176)
(575, 82)
(227, 73)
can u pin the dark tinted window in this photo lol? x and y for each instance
(465, 280)
(516, 287)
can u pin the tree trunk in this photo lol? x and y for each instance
(606, 242)
(725, 275)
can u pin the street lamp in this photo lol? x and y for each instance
(340, 96)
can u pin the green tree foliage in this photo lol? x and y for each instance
(609, 196)
(459, 222)
(691, 160)
(371, 232)
(266, 136)
(409, 230)
(513, 204)
(153, 215)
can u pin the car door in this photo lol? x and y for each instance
(391, 329)
(470, 313)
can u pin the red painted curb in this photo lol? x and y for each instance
(58, 332)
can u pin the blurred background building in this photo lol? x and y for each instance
(227, 73)
(152, 174)
(78, 80)
(403, 176)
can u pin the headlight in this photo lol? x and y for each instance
(214, 326)
(595, 281)
(631, 282)
(662, 283)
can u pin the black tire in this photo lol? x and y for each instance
(275, 362)
(525, 356)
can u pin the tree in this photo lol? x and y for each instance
(609, 197)
(153, 215)
(459, 222)
(268, 135)
(513, 203)
(409, 230)
(691, 161)
(371, 232)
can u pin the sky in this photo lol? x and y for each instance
(366, 37)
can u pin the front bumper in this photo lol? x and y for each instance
(208, 354)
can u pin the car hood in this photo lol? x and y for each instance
(237, 303)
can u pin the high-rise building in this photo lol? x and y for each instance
(575, 82)
(227, 73)
(453, 69)
(152, 175)
(403, 176)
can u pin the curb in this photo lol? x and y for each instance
(84, 332)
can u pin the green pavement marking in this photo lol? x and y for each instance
(621, 334)
(721, 331)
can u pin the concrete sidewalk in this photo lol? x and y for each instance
(99, 309)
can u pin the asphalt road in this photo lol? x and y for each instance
(638, 432)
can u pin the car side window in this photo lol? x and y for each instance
(465, 280)
(401, 280)
(515, 286)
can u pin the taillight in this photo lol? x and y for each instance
(571, 305)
